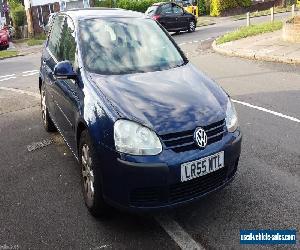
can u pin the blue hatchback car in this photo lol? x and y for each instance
(149, 129)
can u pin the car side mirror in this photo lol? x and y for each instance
(64, 70)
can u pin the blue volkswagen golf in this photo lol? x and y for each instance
(149, 130)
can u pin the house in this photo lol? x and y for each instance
(38, 11)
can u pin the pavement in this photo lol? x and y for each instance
(266, 47)
(41, 203)
(23, 49)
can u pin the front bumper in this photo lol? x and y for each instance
(144, 183)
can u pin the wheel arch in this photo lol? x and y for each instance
(40, 83)
(81, 126)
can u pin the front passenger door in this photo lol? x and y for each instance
(166, 16)
(182, 20)
(67, 91)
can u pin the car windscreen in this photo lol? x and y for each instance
(126, 45)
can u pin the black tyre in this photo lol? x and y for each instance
(91, 177)
(47, 122)
(192, 26)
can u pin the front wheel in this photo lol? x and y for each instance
(192, 26)
(91, 177)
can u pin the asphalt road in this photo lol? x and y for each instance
(41, 204)
(209, 33)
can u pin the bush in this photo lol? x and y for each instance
(13, 3)
(244, 3)
(202, 7)
(104, 3)
(136, 5)
(18, 15)
(218, 6)
(207, 7)
(17, 12)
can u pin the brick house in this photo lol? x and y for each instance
(38, 11)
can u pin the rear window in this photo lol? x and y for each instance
(151, 10)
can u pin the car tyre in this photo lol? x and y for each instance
(192, 26)
(47, 121)
(91, 177)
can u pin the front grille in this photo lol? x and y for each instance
(184, 141)
(151, 196)
(198, 186)
(145, 195)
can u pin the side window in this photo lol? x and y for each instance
(166, 9)
(68, 43)
(55, 36)
(177, 9)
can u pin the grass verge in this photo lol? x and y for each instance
(251, 30)
(37, 40)
(33, 42)
(7, 53)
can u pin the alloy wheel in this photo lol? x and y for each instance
(87, 175)
(192, 26)
(44, 107)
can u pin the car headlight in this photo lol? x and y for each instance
(231, 117)
(133, 138)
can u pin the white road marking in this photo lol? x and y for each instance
(8, 78)
(31, 74)
(30, 71)
(21, 91)
(5, 76)
(195, 41)
(209, 38)
(101, 247)
(268, 111)
(177, 233)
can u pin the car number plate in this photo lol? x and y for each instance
(197, 168)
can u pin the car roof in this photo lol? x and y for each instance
(159, 3)
(89, 13)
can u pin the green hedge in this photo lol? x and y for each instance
(104, 3)
(18, 15)
(202, 7)
(218, 6)
(136, 5)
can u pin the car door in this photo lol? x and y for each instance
(49, 60)
(67, 91)
(181, 19)
(167, 18)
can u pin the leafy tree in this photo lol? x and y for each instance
(202, 7)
